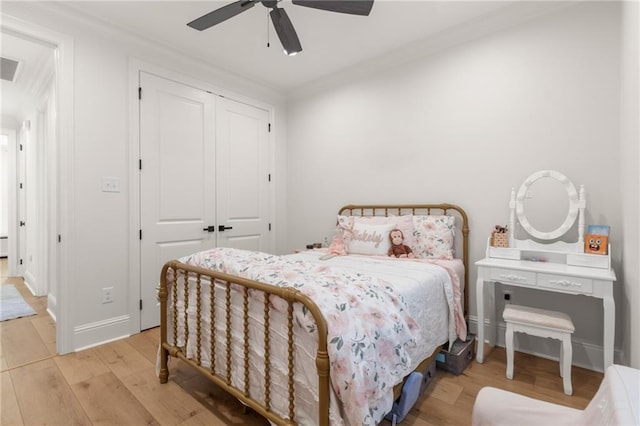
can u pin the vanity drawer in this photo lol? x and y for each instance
(571, 284)
(511, 276)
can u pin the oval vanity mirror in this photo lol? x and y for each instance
(547, 204)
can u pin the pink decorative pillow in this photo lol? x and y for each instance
(433, 236)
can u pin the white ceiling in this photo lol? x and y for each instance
(34, 71)
(331, 41)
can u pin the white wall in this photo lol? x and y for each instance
(4, 195)
(465, 125)
(100, 248)
(4, 190)
(630, 182)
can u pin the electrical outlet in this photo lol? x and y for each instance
(107, 295)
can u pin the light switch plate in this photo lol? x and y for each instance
(110, 184)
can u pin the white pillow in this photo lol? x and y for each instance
(370, 239)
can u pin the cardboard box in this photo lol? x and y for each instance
(456, 359)
(596, 244)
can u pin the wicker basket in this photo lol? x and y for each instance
(500, 239)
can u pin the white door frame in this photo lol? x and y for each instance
(135, 67)
(63, 205)
(12, 197)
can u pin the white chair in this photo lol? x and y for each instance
(542, 323)
(615, 404)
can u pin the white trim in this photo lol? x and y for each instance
(134, 196)
(64, 74)
(52, 306)
(136, 66)
(88, 335)
(31, 283)
(12, 195)
(51, 313)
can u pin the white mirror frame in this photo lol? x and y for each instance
(574, 205)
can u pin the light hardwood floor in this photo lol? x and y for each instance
(115, 383)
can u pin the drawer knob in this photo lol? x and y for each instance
(565, 283)
(513, 277)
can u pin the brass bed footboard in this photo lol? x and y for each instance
(185, 279)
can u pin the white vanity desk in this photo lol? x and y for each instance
(545, 276)
(559, 266)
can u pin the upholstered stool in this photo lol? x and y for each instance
(541, 323)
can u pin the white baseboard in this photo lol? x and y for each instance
(52, 306)
(94, 334)
(29, 281)
(585, 354)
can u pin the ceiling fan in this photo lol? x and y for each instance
(281, 22)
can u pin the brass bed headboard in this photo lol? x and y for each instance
(462, 227)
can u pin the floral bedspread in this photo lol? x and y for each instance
(369, 327)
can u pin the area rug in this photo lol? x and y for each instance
(12, 305)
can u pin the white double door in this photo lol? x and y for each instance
(204, 178)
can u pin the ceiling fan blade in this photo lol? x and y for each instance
(286, 32)
(352, 7)
(220, 15)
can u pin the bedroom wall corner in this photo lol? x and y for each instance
(630, 182)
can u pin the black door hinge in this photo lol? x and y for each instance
(269, 177)
(140, 304)
(269, 227)
(59, 238)
(20, 185)
(20, 147)
(140, 164)
(269, 127)
(21, 261)
(139, 92)
(141, 234)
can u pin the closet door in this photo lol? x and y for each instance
(242, 161)
(177, 180)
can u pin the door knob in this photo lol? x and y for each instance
(210, 228)
(223, 228)
(22, 223)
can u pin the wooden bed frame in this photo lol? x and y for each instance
(188, 275)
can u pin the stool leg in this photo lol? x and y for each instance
(509, 343)
(567, 352)
(561, 360)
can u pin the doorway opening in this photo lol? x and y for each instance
(37, 119)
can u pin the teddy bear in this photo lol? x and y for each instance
(398, 249)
